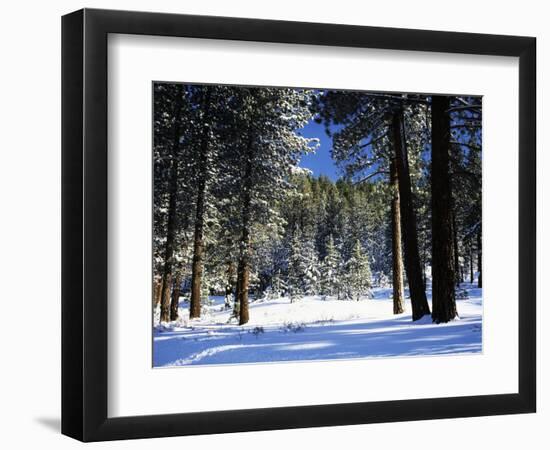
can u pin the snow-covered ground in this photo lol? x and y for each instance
(314, 329)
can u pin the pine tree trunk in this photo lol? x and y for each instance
(174, 304)
(479, 257)
(243, 271)
(443, 270)
(198, 252)
(396, 244)
(169, 250)
(198, 241)
(166, 287)
(244, 276)
(166, 282)
(413, 268)
(170, 242)
(157, 291)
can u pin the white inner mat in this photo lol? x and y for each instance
(135, 388)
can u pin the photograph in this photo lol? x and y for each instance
(300, 224)
(274, 225)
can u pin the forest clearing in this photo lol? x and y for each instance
(300, 224)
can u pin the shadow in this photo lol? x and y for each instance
(52, 423)
(377, 338)
(355, 337)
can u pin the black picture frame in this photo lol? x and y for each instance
(84, 224)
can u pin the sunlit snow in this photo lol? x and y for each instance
(315, 329)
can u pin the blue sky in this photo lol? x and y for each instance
(320, 163)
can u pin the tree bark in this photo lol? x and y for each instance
(397, 258)
(157, 291)
(413, 267)
(443, 269)
(169, 250)
(198, 253)
(243, 271)
(171, 222)
(479, 257)
(166, 286)
(198, 241)
(165, 298)
(244, 275)
(176, 291)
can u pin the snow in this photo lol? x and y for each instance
(313, 328)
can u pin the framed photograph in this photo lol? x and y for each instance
(273, 224)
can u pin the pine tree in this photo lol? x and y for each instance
(465, 171)
(397, 260)
(417, 290)
(357, 274)
(443, 263)
(203, 175)
(171, 105)
(372, 133)
(278, 286)
(312, 274)
(267, 149)
(296, 268)
(176, 102)
(330, 276)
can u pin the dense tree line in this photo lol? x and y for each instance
(235, 215)
(428, 148)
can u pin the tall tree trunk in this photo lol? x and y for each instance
(243, 271)
(169, 250)
(166, 286)
(198, 253)
(157, 291)
(443, 270)
(198, 241)
(397, 258)
(413, 267)
(176, 291)
(479, 265)
(244, 276)
(166, 282)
